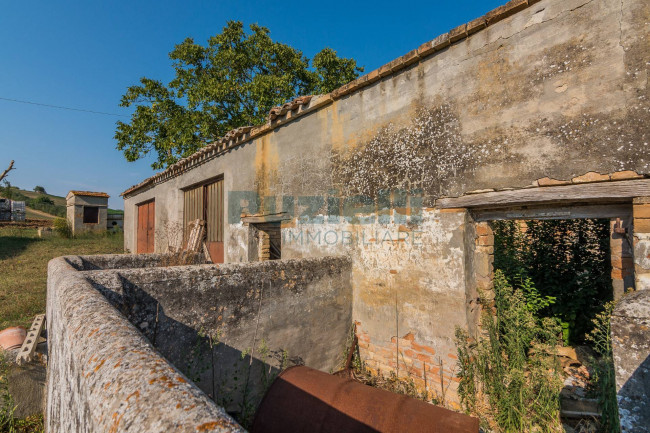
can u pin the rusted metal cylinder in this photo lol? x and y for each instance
(306, 400)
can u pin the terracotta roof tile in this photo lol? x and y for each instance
(89, 193)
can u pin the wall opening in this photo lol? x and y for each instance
(91, 215)
(205, 202)
(568, 261)
(265, 241)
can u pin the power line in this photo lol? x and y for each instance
(61, 107)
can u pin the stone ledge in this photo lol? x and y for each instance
(103, 375)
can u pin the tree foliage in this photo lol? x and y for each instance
(232, 81)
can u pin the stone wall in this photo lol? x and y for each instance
(228, 329)
(103, 374)
(209, 321)
(631, 345)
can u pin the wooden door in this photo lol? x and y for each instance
(214, 220)
(205, 202)
(146, 227)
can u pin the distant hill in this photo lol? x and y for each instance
(41, 206)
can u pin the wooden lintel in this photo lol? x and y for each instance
(269, 218)
(553, 212)
(600, 192)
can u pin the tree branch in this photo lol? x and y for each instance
(4, 173)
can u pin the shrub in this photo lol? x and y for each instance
(512, 368)
(62, 227)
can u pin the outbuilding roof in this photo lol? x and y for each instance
(88, 194)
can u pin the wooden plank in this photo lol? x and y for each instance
(142, 229)
(550, 212)
(602, 192)
(151, 227)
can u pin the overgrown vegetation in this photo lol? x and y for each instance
(23, 262)
(601, 339)
(566, 260)
(510, 377)
(62, 228)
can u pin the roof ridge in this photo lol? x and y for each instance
(303, 104)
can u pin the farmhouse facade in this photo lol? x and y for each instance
(537, 110)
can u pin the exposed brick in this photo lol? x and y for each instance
(628, 174)
(373, 76)
(410, 57)
(409, 336)
(431, 47)
(483, 229)
(642, 225)
(458, 33)
(422, 357)
(546, 181)
(617, 273)
(505, 11)
(641, 211)
(363, 344)
(410, 353)
(452, 356)
(591, 176)
(486, 240)
(476, 25)
(421, 348)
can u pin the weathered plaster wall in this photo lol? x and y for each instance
(631, 347)
(553, 92)
(209, 321)
(103, 374)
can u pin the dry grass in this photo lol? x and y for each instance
(23, 268)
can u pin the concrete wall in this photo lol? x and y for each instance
(229, 329)
(103, 374)
(556, 92)
(631, 347)
(208, 321)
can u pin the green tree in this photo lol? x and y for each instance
(39, 189)
(233, 81)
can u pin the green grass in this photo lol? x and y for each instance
(23, 268)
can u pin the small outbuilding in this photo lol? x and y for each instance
(87, 210)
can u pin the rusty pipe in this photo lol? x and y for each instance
(302, 399)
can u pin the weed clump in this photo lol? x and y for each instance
(63, 228)
(510, 377)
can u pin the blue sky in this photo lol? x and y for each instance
(85, 54)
